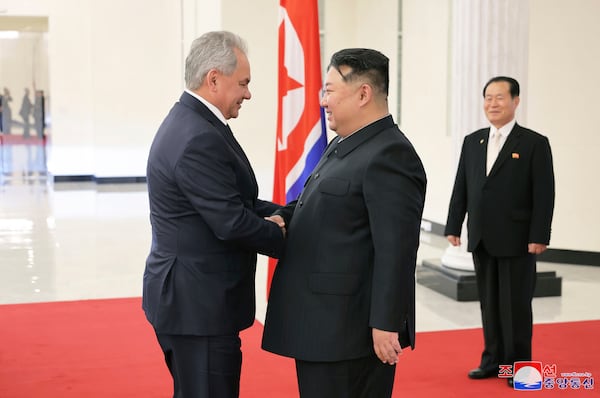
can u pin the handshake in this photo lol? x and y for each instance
(279, 221)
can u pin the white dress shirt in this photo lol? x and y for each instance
(504, 131)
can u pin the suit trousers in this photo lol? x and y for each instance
(203, 366)
(506, 286)
(357, 378)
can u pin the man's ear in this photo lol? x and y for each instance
(211, 79)
(365, 93)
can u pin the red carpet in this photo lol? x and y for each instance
(105, 348)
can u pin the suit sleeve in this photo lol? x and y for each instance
(542, 193)
(287, 212)
(394, 194)
(206, 175)
(458, 201)
(264, 208)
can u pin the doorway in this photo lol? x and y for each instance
(24, 99)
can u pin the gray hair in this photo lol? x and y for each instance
(212, 50)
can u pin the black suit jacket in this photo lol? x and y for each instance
(207, 226)
(350, 256)
(511, 207)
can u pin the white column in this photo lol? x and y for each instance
(197, 18)
(488, 38)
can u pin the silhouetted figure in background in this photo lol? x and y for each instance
(6, 112)
(25, 112)
(36, 155)
(39, 113)
(6, 154)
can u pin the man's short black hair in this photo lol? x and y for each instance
(513, 83)
(366, 63)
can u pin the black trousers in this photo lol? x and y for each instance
(506, 286)
(358, 378)
(203, 366)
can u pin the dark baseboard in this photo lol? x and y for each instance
(119, 180)
(578, 257)
(570, 256)
(100, 180)
(73, 178)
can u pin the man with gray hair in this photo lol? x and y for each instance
(207, 225)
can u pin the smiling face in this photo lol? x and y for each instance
(498, 104)
(233, 89)
(341, 101)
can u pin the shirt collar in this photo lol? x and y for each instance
(354, 132)
(504, 130)
(210, 106)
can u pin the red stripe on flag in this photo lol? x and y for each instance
(299, 83)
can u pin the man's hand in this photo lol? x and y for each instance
(279, 221)
(454, 240)
(386, 345)
(536, 248)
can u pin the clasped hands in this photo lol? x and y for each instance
(279, 221)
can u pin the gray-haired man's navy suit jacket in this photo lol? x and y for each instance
(207, 227)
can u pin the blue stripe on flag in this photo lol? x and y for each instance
(312, 158)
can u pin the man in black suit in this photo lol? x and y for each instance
(342, 301)
(509, 199)
(207, 225)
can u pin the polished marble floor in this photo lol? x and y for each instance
(73, 241)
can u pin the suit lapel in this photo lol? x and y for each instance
(331, 147)
(237, 148)
(478, 151)
(193, 103)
